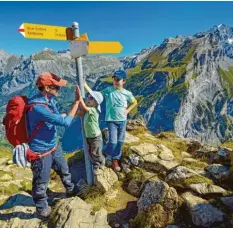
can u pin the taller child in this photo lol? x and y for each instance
(119, 102)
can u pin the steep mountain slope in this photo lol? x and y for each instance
(183, 84)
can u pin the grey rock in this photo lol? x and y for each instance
(158, 192)
(105, 179)
(203, 213)
(218, 171)
(204, 188)
(74, 212)
(186, 155)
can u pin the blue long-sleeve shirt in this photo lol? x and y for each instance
(46, 137)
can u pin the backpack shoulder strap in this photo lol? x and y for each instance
(29, 108)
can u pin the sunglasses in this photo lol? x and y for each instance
(90, 98)
(55, 87)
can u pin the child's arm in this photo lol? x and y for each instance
(88, 89)
(82, 103)
(132, 106)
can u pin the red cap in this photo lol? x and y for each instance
(47, 78)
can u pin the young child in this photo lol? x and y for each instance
(91, 126)
(119, 102)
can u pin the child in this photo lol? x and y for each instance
(117, 101)
(91, 126)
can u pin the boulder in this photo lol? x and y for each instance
(153, 157)
(158, 192)
(159, 203)
(218, 172)
(74, 212)
(105, 179)
(19, 211)
(204, 188)
(179, 174)
(202, 212)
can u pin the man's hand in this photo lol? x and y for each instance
(63, 115)
(77, 94)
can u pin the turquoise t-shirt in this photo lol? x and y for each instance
(116, 102)
(91, 123)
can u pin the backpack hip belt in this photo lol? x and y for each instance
(32, 156)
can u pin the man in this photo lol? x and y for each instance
(119, 102)
(44, 141)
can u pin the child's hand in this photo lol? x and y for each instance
(126, 112)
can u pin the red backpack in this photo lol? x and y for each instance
(15, 120)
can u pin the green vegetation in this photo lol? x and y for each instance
(154, 216)
(197, 179)
(74, 157)
(100, 200)
(106, 79)
(227, 80)
(195, 165)
(9, 189)
(194, 76)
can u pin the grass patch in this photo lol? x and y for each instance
(197, 179)
(227, 80)
(5, 152)
(99, 199)
(154, 216)
(195, 165)
(9, 190)
(194, 76)
(74, 157)
(26, 185)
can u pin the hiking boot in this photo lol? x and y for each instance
(115, 165)
(43, 213)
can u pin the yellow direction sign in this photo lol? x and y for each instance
(49, 32)
(38, 31)
(103, 47)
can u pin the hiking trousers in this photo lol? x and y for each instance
(41, 174)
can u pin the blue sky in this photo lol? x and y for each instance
(136, 25)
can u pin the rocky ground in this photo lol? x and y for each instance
(166, 182)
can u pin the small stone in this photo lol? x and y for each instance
(134, 159)
(3, 161)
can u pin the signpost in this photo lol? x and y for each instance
(49, 32)
(79, 72)
(79, 46)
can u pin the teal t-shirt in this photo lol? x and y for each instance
(91, 123)
(116, 102)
